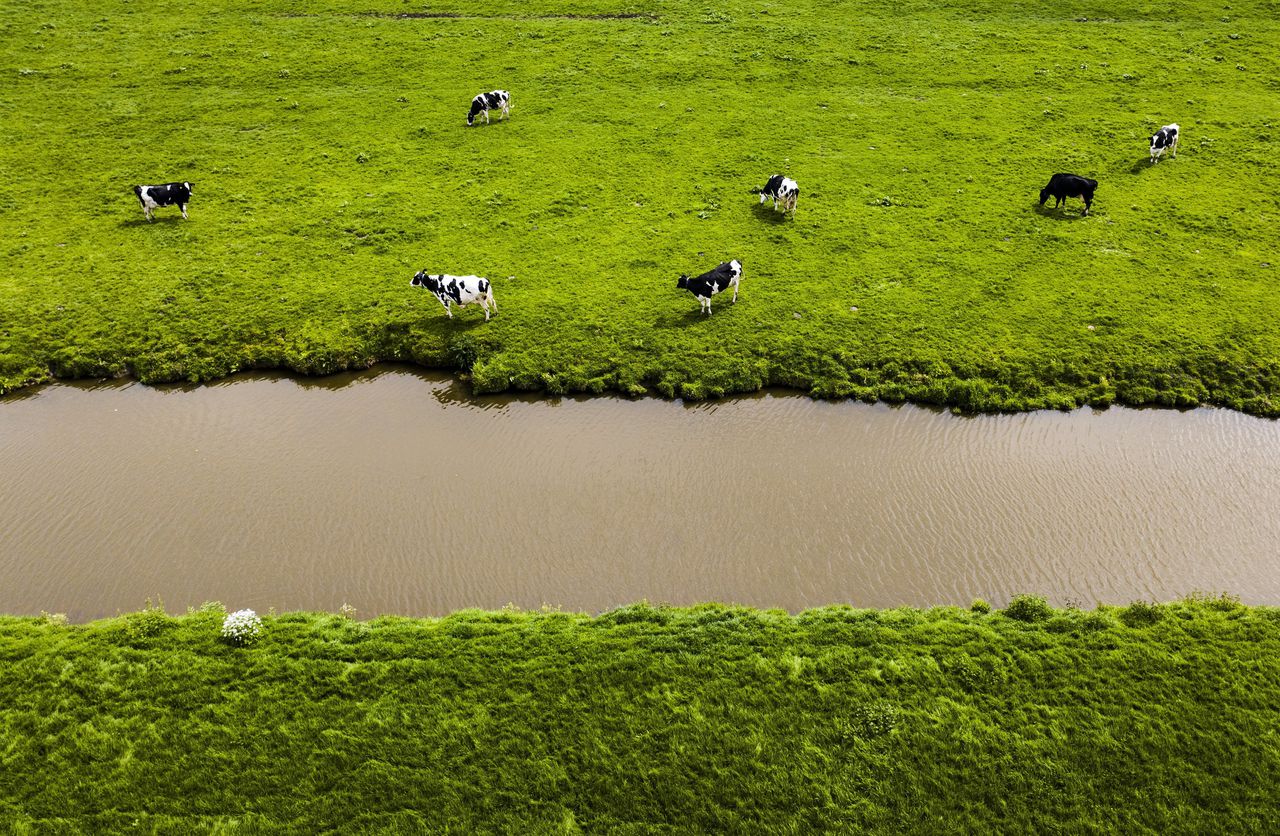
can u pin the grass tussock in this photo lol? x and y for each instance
(330, 162)
(648, 719)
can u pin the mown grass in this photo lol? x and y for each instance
(330, 161)
(710, 719)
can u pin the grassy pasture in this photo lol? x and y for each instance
(648, 720)
(327, 146)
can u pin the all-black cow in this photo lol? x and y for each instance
(712, 282)
(1165, 139)
(499, 100)
(1063, 186)
(167, 194)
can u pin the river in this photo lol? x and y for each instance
(395, 492)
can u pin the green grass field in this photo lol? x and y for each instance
(649, 720)
(327, 145)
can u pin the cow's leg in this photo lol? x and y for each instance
(445, 302)
(493, 301)
(1173, 149)
(484, 304)
(735, 293)
(183, 207)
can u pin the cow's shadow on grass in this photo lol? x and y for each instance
(461, 323)
(160, 220)
(1141, 165)
(687, 319)
(1061, 213)
(766, 212)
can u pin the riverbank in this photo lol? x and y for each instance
(330, 162)
(701, 719)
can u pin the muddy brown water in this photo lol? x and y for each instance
(394, 492)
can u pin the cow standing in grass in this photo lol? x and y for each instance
(458, 290)
(167, 194)
(499, 100)
(783, 191)
(710, 283)
(1165, 139)
(1063, 186)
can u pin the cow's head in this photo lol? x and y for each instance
(1044, 195)
(188, 185)
(683, 282)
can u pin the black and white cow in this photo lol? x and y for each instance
(1063, 186)
(1165, 139)
(460, 290)
(783, 191)
(481, 105)
(710, 283)
(167, 194)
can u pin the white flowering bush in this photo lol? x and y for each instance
(242, 627)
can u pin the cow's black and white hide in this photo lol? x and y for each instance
(712, 282)
(1063, 186)
(458, 290)
(1165, 139)
(166, 194)
(783, 191)
(499, 100)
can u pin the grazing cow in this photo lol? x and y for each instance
(153, 197)
(1165, 139)
(460, 290)
(1063, 186)
(711, 283)
(485, 102)
(783, 190)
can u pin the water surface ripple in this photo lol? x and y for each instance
(395, 493)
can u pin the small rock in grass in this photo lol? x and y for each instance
(795, 316)
(854, 309)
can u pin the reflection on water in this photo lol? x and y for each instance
(397, 492)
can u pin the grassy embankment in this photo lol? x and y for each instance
(704, 720)
(327, 147)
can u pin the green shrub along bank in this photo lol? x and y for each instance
(709, 719)
(330, 161)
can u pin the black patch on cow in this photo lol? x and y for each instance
(709, 283)
(166, 194)
(453, 290)
(771, 188)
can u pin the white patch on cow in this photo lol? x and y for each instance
(148, 205)
(788, 193)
